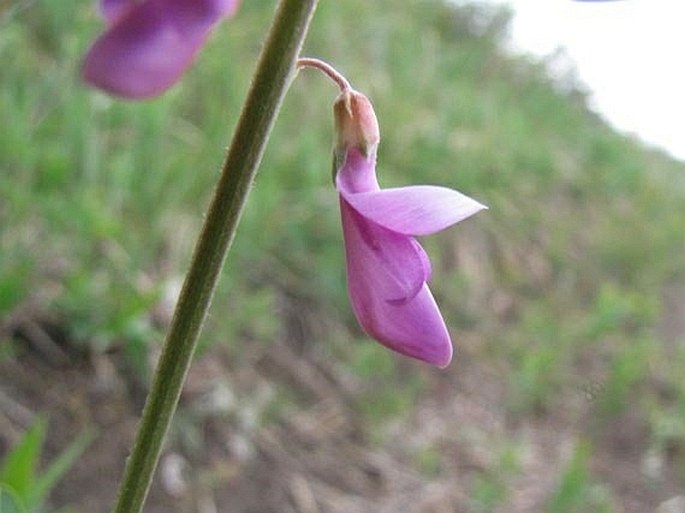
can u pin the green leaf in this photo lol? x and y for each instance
(19, 468)
(59, 467)
(18, 472)
(9, 501)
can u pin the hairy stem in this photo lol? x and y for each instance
(272, 77)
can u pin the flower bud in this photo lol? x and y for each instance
(356, 125)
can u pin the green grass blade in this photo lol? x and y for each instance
(19, 468)
(59, 467)
(10, 502)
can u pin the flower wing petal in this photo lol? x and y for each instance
(416, 210)
(392, 265)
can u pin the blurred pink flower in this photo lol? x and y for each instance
(387, 269)
(148, 44)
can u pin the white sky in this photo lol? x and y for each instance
(629, 53)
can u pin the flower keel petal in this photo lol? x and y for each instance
(415, 328)
(386, 276)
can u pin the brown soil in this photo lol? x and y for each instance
(229, 452)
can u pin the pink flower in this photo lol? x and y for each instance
(148, 44)
(387, 269)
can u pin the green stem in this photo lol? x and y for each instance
(274, 73)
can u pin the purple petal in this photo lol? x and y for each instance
(151, 44)
(357, 173)
(417, 210)
(387, 274)
(415, 329)
(113, 10)
(393, 265)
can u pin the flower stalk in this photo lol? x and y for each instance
(333, 74)
(272, 77)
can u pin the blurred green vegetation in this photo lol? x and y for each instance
(562, 283)
(22, 488)
(577, 492)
